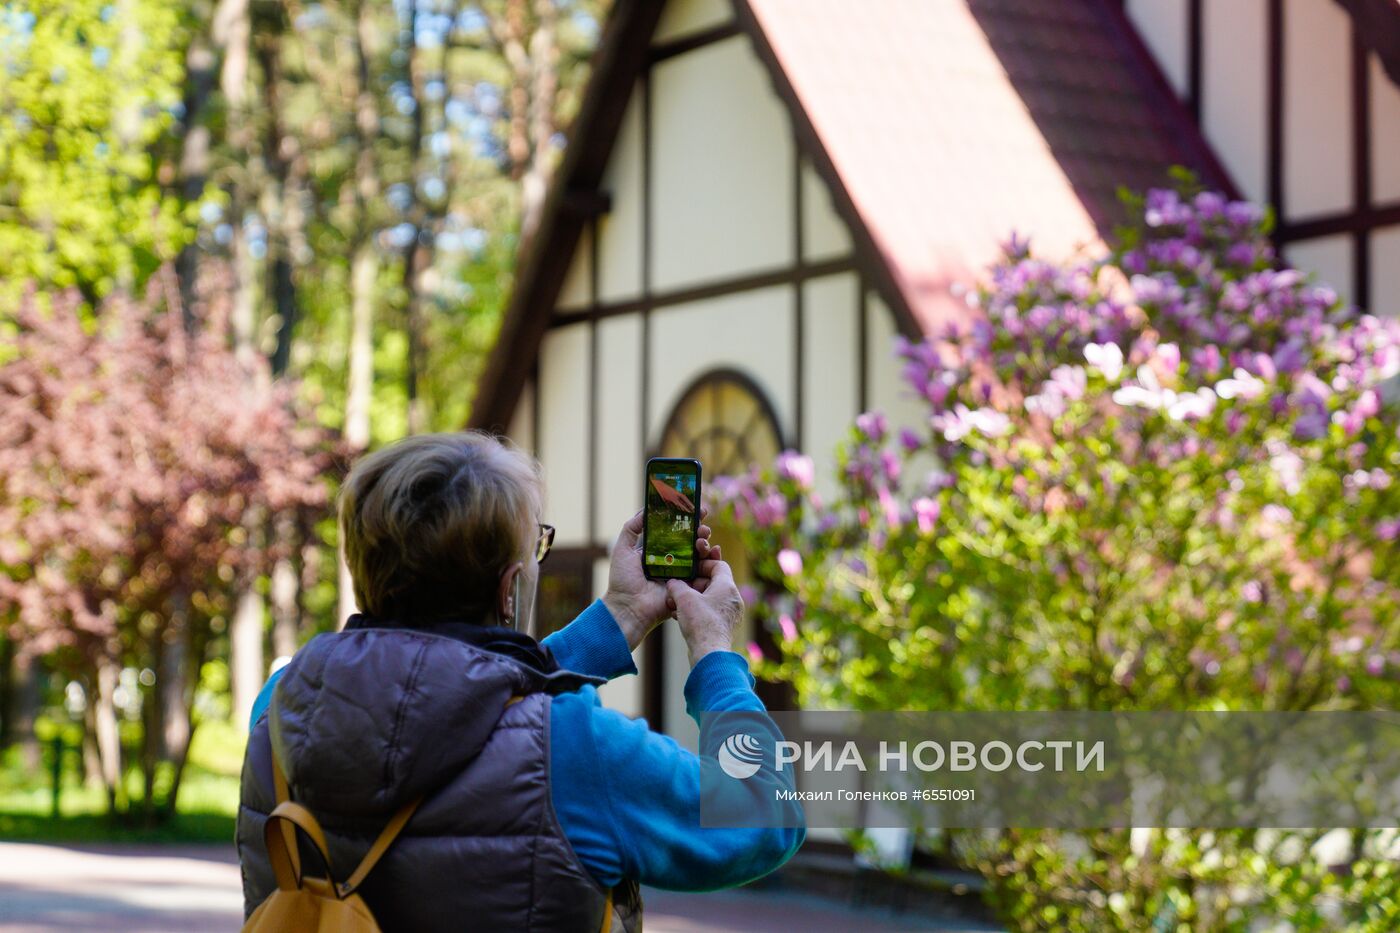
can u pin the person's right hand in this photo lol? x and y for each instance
(710, 614)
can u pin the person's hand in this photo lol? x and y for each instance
(639, 604)
(709, 614)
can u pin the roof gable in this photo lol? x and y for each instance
(939, 127)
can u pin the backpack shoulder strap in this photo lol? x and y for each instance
(381, 845)
(289, 833)
(282, 854)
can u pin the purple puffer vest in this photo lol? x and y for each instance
(366, 721)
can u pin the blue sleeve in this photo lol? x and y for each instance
(592, 644)
(628, 799)
(264, 698)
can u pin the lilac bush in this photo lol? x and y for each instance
(1161, 478)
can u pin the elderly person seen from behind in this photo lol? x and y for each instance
(541, 809)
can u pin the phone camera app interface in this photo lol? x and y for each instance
(671, 516)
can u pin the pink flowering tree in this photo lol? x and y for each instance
(130, 455)
(1163, 478)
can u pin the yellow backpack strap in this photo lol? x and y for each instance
(607, 914)
(289, 833)
(381, 845)
(289, 817)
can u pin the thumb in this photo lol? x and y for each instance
(681, 594)
(722, 573)
(631, 530)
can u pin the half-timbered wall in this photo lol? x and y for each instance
(720, 250)
(1304, 118)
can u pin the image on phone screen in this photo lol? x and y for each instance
(672, 518)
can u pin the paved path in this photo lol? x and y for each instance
(183, 888)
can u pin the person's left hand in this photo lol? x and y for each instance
(639, 604)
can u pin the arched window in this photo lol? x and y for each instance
(724, 421)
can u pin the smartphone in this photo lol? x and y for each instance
(671, 520)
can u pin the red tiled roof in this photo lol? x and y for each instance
(951, 123)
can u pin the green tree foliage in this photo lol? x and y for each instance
(355, 176)
(87, 88)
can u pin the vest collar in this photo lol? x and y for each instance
(498, 639)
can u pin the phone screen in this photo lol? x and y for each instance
(672, 518)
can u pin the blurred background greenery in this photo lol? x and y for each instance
(243, 241)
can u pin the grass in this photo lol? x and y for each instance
(680, 543)
(663, 536)
(208, 801)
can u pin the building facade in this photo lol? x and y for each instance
(758, 195)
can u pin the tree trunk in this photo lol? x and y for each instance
(279, 194)
(192, 647)
(109, 748)
(364, 266)
(174, 681)
(126, 120)
(92, 759)
(7, 692)
(26, 696)
(152, 736)
(357, 399)
(513, 49)
(233, 31)
(201, 67)
(311, 555)
(243, 314)
(364, 269)
(416, 277)
(415, 254)
(283, 590)
(247, 669)
(544, 63)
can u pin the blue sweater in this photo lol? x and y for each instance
(628, 798)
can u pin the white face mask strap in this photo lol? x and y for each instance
(515, 603)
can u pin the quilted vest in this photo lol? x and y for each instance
(365, 721)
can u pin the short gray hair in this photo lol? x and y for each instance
(430, 522)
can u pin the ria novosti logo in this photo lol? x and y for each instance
(740, 756)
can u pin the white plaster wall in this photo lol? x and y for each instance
(620, 230)
(1385, 271)
(522, 421)
(1329, 257)
(575, 294)
(620, 453)
(1317, 132)
(564, 431)
(721, 170)
(683, 17)
(886, 389)
(1162, 25)
(749, 331)
(623, 694)
(675, 721)
(824, 233)
(1385, 135)
(1234, 82)
(830, 338)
